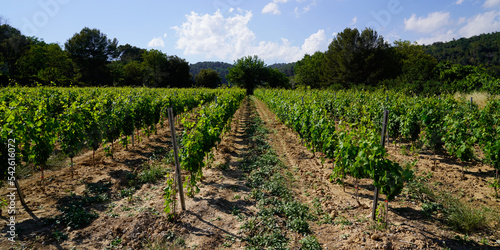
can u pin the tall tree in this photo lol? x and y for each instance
(356, 58)
(91, 50)
(178, 73)
(309, 70)
(155, 65)
(414, 64)
(208, 78)
(248, 72)
(130, 53)
(12, 46)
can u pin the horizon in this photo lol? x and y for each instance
(278, 31)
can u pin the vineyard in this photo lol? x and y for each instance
(97, 169)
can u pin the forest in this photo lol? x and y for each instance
(354, 59)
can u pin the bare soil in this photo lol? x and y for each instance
(137, 221)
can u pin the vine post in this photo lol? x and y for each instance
(382, 143)
(176, 157)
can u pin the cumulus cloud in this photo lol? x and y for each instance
(315, 42)
(491, 3)
(216, 36)
(458, 2)
(157, 42)
(432, 22)
(271, 8)
(481, 23)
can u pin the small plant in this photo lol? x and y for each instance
(310, 242)
(169, 195)
(152, 173)
(116, 242)
(127, 192)
(229, 240)
(381, 214)
(235, 210)
(180, 242)
(343, 221)
(59, 236)
(484, 241)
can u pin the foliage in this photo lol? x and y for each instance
(250, 72)
(208, 78)
(91, 50)
(205, 133)
(356, 58)
(309, 70)
(355, 147)
(480, 50)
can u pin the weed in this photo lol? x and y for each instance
(152, 173)
(126, 192)
(235, 210)
(59, 236)
(310, 242)
(343, 221)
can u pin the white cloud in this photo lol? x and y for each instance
(298, 11)
(428, 24)
(157, 42)
(271, 8)
(458, 2)
(438, 37)
(215, 36)
(491, 3)
(481, 23)
(315, 42)
(280, 1)
(165, 35)
(354, 21)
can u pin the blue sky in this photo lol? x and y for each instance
(225, 30)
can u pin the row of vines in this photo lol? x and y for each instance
(457, 127)
(202, 131)
(72, 119)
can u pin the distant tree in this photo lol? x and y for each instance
(309, 70)
(277, 79)
(356, 58)
(222, 69)
(91, 50)
(12, 46)
(248, 72)
(208, 78)
(414, 64)
(130, 53)
(155, 65)
(134, 74)
(46, 63)
(178, 73)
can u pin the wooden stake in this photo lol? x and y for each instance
(382, 142)
(176, 157)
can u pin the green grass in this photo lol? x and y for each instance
(458, 215)
(270, 182)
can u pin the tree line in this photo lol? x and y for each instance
(354, 59)
(365, 60)
(89, 58)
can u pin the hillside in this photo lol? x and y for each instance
(221, 67)
(482, 50)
